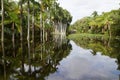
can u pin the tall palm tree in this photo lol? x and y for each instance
(41, 20)
(21, 20)
(2, 34)
(13, 18)
(28, 32)
(34, 11)
(33, 21)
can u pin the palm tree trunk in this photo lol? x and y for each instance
(33, 28)
(13, 38)
(43, 26)
(61, 32)
(33, 32)
(21, 21)
(28, 34)
(23, 58)
(46, 35)
(109, 29)
(4, 61)
(29, 61)
(40, 26)
(2, 34)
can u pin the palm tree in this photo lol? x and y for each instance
(28, 32)
(13, 18)
(21, 20)
(33, 21)
(95, 14)
(35, 9)
(2, 34)
(42, 15)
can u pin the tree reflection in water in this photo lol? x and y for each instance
(107, 46)
(34, 60)
(3, 62)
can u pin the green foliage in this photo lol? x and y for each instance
(49, 10)
(98, 43)
(107, 23)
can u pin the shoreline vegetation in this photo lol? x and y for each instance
(85, 35)
(106, 25)
(76, 36)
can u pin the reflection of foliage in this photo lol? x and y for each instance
(109, 47)
(97, 47)
(37, 65)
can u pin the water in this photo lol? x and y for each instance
(61, 59)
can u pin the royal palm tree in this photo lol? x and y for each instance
(33, 22)
(2, 10)
(35, 10)
(28, 11)
(21, 19)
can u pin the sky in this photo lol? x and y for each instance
(82, 8)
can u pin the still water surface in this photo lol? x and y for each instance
(61, 59)
(81, 64)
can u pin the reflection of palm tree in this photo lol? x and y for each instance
(13, 39)
(4, 62)
(29, 57)
(118, 62)
(37, 65)
(59, 39)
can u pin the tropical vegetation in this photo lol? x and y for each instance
(21, 19)
(107, 24)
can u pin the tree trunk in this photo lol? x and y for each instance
(29, 58)
(23, 58)
(2, 33)
(33, 32)
(28, 34)
(46, 36)
(4, 61)
(65, 28)
(13, 38)
(21, 21)
(41, 27)
(61, 25)
(2, 37)
(33, 28)
(109, 30)
(103, 30)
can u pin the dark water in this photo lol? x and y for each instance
(61, 59)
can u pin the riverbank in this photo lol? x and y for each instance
(77, 35)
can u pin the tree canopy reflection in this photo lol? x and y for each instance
(106, 46)
(33, 60)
